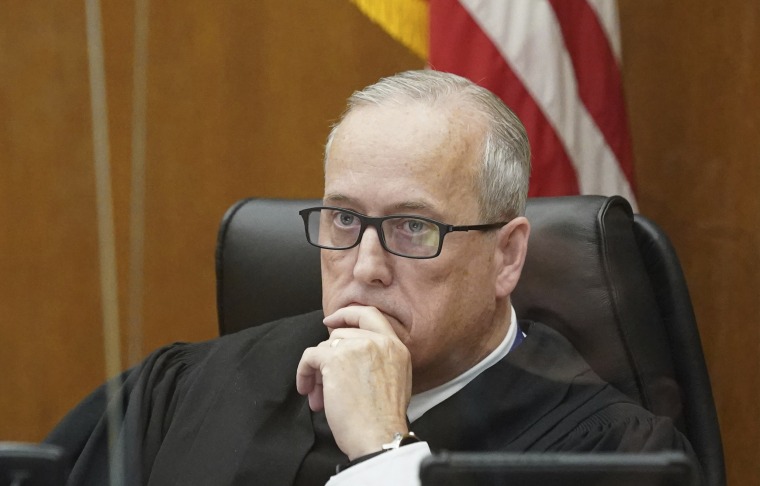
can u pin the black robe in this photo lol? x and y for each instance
(227, 412)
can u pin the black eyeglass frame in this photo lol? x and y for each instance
(376, 222)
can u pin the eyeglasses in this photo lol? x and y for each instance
(403, 235)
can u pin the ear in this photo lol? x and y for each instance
(512, 246)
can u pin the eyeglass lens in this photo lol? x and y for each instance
(330, 228)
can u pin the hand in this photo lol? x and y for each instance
(361, 376)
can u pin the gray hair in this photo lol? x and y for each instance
(505, 170)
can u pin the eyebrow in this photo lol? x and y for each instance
(338, 198)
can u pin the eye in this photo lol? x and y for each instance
(345, 219)
(415, 225)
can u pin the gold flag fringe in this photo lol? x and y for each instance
(406, 21)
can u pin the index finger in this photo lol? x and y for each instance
(362, 317)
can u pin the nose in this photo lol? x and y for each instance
(372, 264)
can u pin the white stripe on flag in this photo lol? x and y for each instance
(528, 36)
(607, 13)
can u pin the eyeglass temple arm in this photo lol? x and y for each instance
(478, 227)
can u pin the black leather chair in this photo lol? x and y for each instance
(25, 464)
(607, 279)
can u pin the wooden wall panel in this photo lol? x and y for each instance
(240, 98)
(49, 305)
(692, 80)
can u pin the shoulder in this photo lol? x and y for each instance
(183, 363)
(623, 427)
(547, 356)
(297, 331)
(600, 417)
(273, 341)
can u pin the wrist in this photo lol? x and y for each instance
(372, 439)
(401, 439)
(397, 441)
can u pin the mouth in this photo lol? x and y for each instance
(394, 321)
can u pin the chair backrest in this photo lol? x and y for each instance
(606, 279)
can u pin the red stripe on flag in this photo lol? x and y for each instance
(459, 46)
(599, 82)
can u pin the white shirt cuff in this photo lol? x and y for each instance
(397, 467)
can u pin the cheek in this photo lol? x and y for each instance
(331, 271)
(432, 297)
(461, 294)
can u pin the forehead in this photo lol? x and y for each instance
(412, 154)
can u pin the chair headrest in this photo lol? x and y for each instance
(584, 275)
(265, 269)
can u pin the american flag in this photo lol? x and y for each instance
(556, 63)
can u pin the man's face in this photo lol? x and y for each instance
(416, 160)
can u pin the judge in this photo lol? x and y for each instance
(417, 349)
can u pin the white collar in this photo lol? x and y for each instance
(422, 402)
